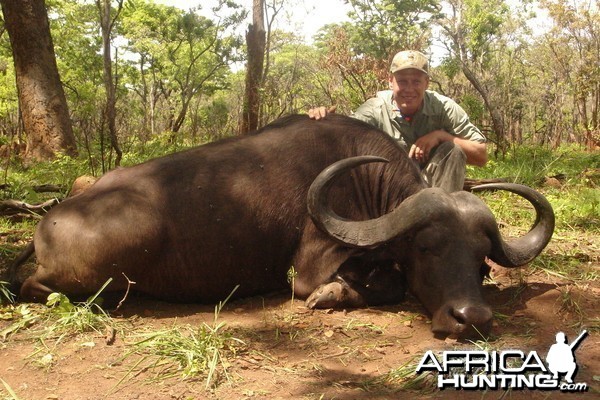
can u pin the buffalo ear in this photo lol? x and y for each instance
(520, 251)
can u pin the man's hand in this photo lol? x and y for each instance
(423, 146)
(320, 112)
(475, 151)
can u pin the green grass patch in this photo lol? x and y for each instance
(179, 351)
(404, 378)
(20, 179)
(574, 195)
(185, 351)
(6, 296)
(576, 208)
(69, 318)
(60, 317)
(530, 165)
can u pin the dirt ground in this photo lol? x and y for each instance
(290, 352)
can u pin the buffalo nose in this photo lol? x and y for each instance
(476, 318)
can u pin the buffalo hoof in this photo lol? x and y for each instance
(328, 295)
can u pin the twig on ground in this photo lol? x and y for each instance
(129, 283)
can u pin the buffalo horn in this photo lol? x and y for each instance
(518, 252)
(371, 233)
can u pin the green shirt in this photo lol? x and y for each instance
(437, 112)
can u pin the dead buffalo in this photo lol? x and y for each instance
(193, 225)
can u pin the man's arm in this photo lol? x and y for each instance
(475, 151)
(460, 130)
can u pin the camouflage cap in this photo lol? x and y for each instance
(410, 59)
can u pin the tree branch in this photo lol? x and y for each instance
(10, 207)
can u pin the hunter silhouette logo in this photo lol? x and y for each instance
(507, 369)
(561, 356)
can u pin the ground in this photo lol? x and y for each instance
(287, 351)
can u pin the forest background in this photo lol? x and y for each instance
(91, 84)
(141, 78)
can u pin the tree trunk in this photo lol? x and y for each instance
(497, 120)
(41, 96)
(256, 41)
(110, 112)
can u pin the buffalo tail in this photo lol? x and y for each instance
(14, 266)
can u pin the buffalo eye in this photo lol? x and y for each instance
(422, 247)
(429, 242)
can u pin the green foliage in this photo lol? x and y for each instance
(473, 106)
(165, 60)
(13, 235)
(192, 352)
(483, 20)
(576, 199)
(6, 296)
(159, 145)
(377, 25)
(450, 67)
(531, 164)
(176, 56)
(575, 266)
(347, 79)
(577, 208)
(294, 82)
(77, 318)
(61, 317)
(8, 93)
(567, 57)
(61, 171)
(404, 378)
(188, 351)
(180, 71)
(22, 316)
(179, 350)
(214, 118)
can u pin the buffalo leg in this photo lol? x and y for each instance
(34, 291)
(358, 285)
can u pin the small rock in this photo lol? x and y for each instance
(451, 339)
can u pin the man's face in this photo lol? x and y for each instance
(409, 87)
